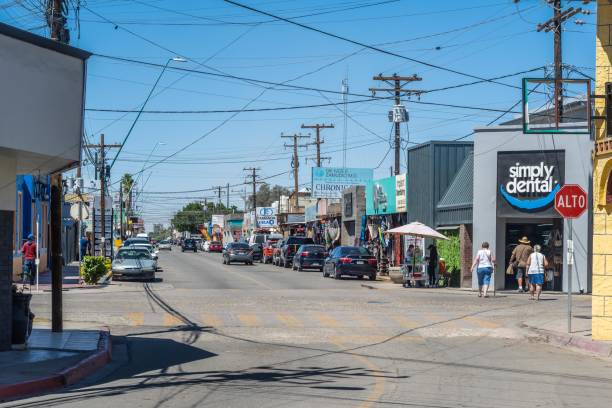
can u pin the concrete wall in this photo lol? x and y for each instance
(351, 226)
(487, 227)
(6, 265)
(602, 211)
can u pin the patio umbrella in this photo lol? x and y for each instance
(417, 229)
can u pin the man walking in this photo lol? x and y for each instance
(519, 258)
(28, 251)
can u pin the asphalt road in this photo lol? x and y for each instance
(207, 334)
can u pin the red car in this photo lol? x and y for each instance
(215, 246)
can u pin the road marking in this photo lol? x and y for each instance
(211, 320)
(170, 320)
(289, 320)
(249, 319)
(327, 320)
(136, 318)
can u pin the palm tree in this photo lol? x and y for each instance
(127, 182)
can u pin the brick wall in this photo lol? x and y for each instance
(602, 170)
(466, 248)
(6, 267)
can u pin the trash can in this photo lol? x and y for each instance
(22, 317)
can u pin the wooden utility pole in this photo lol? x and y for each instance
(397, 82)
(254, 182)
(555, 24)
(295, 162)
(218, 188)
(227, 196)
(101, 167)
(318, 141)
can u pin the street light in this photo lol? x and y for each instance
(175, 59)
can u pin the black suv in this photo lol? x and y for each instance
(189, 245)
(290, 247)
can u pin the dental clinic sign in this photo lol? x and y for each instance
(528, 181)
(329, 182)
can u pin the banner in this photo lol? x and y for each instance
(387, 195)
(328, 182)
(218, 220)
(266, 217)
(400, 193)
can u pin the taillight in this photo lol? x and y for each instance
(372, 262)
(346, 260)
(304, 254)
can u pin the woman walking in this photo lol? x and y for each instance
(484, 261)
(536, 265)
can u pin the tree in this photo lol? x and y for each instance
(127, 182)
(266, 195)
(194, 214)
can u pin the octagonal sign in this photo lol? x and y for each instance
(571, 201)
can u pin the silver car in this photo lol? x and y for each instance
(164, 245)
(133, 263)
(237, 252)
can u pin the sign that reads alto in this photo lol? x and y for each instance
(328, 182)
(266, 217)
(528, 181)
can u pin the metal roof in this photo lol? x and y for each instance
(460, 193)
(43, 42)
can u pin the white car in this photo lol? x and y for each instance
(134, 262)
(164, 245)
(206, 246)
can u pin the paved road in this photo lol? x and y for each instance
(206, 334)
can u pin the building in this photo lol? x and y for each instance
(602, 181)
(353, 215)
(515, 178)
(41, 126)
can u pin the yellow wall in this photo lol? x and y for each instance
(602, 168)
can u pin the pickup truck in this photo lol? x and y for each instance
(268, 250)
(289, 249)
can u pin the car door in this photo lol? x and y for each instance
(329, 261)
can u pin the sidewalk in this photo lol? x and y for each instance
(52, 360)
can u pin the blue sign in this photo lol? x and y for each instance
(380, 196)
(329, 182)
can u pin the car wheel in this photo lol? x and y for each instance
(286, 264)
(182, 250)
(320, 269)
(325, 274)
(337, 274)
(373, 277)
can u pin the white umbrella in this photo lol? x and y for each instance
(417, 229)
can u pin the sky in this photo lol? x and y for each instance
(445, 42)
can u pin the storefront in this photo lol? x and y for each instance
(515, 179)
(353, 215)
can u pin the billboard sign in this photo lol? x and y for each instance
(328, 182)
(381, 197)
(266, 217)
(527, 182)
(218, 220)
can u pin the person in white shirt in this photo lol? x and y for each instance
(484, 262)
(536, 266)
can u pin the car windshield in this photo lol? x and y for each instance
(313, 248)
(359, 251)
(132, 254)
(238, 245)
(260, 239)
(189, 241)
(215, 243)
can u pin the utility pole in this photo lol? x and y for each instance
(218, 188)
(101, 166)
(295, 162)
(399, 112)
(253, 171)
(555, 24)
(121, 209)
(227, 196)
(318, 142)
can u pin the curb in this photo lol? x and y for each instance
(64, 378)
(577, 343)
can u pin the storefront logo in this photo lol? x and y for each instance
(530, 187)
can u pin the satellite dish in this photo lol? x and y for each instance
(74, 211)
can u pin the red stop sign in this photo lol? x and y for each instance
(571, 201)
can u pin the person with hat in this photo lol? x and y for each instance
(519, 258)
(29, 257)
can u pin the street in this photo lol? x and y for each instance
(207, 334)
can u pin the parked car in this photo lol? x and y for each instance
(164, 245)
(290, 247)
(238, 252)
(350, 260)
(309, 257)
(133, 262)
(276, 252)
(215, 246)
(257, 252)
(189, 245)
(268, 250)
(131, 241)
(206, 246)
(149, 247)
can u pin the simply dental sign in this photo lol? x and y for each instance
(528, 181)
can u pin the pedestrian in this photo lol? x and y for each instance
(28, 250)
(484, 262)
(409, 258)
(83, 246)
(536, 265)
(432, 264)
(518, 260)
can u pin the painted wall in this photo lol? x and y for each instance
(602, 212)
(488, 227)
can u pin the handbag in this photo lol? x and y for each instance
(510, 269)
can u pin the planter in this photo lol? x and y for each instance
(22, 317)
(396, 275)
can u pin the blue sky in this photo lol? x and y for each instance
(485, 38)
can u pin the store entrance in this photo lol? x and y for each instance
(548, 233)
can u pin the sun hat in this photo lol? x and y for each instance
(525, 241)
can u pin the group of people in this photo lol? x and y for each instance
(528, 263)
(413, 253)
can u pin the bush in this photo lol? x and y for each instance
(93, 268)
